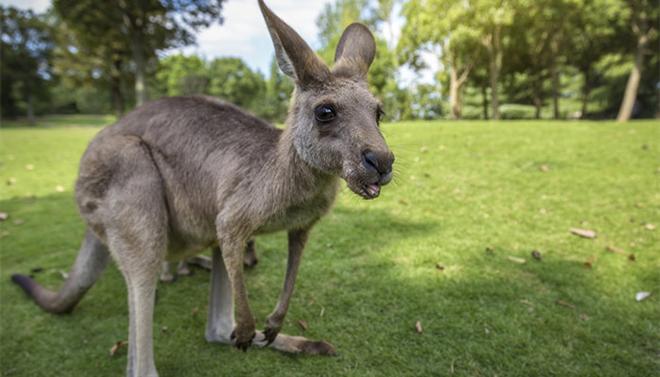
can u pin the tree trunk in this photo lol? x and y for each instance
(484, 100)
(555, 91)
(115, 87)
(30, 107)
(630, 95)
(495, 65)
(454, 94)
(586, 90)
(140, 70)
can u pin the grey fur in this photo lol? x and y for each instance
(179, 175)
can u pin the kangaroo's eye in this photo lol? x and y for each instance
(325, 113)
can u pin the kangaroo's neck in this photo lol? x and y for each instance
(294, 174)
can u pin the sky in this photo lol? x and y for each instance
(243, 33)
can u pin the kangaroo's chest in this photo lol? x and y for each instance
(301, 214)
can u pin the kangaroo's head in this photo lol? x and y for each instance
(333, 117)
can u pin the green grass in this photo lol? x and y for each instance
(467, 195)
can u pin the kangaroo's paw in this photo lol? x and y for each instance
(296, 344)
(242, 338)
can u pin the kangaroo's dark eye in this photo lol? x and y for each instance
(325, 113)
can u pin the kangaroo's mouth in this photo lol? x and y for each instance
(370, 191)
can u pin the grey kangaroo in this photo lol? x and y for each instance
(178, 175)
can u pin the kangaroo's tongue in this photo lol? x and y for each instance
(373, 190)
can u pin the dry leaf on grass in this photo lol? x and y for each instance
(649, 226)
(59, 188)
(11, 181)
(584, 317)
(322, 311)
(516, 260)
(19, 222)
(544, 168)
(584, 233)
(64, 274)
(3, 216)
(439, 267)
(537, 255)
(589, 263)
(195, 311)
(29, 167)
(418, 327)
(565, 303)
(119, 345)
(615, 250)
(303, 324)
(640, 296)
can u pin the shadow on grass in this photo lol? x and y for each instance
(488, 316)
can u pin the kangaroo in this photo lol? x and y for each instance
(178, 175)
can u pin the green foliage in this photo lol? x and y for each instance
(26, 46)
(232, 80)
(182, 75)
(466, 196)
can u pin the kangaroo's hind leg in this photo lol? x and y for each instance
(132, 215)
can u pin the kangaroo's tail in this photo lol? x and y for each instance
(90, 263)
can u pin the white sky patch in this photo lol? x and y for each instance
(37, 6)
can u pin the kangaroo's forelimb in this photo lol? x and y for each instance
(297, 241)
(90, 263)
(221, 318)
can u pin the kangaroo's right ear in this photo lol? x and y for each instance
(295, 58)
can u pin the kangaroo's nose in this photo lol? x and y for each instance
(380, 162)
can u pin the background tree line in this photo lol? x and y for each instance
(497, 59)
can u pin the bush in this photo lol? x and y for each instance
(517, 111)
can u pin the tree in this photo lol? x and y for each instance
(453, 34)
(232, 80)
(278, 93)
(643, 16)
(146, 26)
(182, 75)
(26, 47)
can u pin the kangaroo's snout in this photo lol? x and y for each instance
(379, 162)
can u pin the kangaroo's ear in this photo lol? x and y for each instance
(295, 58)
(355, 52)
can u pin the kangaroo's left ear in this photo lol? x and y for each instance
(295, 58)
(355, 52)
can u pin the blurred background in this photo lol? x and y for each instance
(437, 59)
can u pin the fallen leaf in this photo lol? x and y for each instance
(195, 310)
(640, 296)
(544, 168)
(120, 344)
(424, 149)
(418, 327)
(516, 260)
(584, 317)
(3, 216)
(164, 329)
(19, 221)
(439, 267)
(11, 181)
(29, 167)
(649, 226)
(64, 274)
(322, 311)
(537, 255)
(543, 211)
(564, 303)
(590, 262)
(584, 233)
(615, 250)
(303, 324)
(526, 302)
(59, 188)
(403, 202)
(632, 258)
(489, 249)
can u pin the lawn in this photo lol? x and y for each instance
(443, 245)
